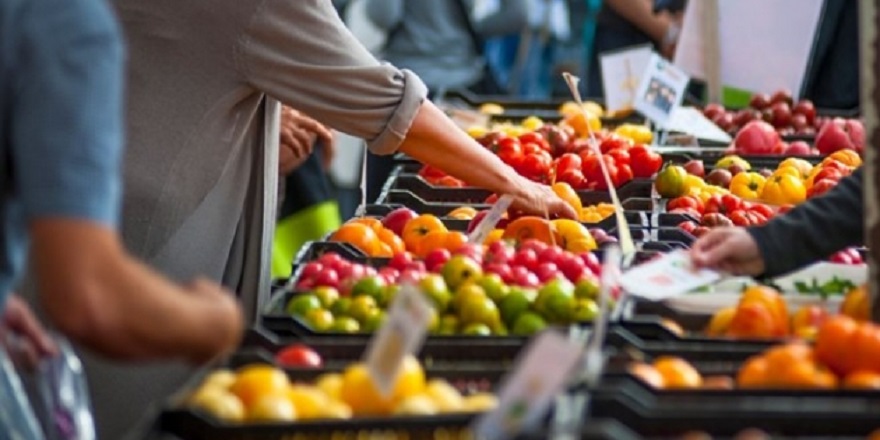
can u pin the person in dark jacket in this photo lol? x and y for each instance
(812, 231)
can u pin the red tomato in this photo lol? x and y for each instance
(644, 163)
(298, 355)
(841, 257)
(685, 202)
(568, 161)
(621, 157)
(624, 175)
(855, 255)
(535, 138)
(536, 166)
(762, 209)
(687, 226)
(757, 218)
(573, 177)
(510, 152)
(428, 172)
(828, 173)
(740, 218)
(593, 171)
(836, 165)
(821, 187)
(723, 204)
(614, 142)
(531, 148)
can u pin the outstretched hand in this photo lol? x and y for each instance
(729, 249)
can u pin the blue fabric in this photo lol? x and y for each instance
(61, 81)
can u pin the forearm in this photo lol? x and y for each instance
(119, 308)
(814, 230)
(435, 140)
(640, 13)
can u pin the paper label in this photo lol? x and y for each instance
(691, 121)
(668, 276)
(540, 374)
(622, 72)
(402, 334)
(481, 232)
(661, 90)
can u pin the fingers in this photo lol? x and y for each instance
(709, 250)
(562, 209)
(304, 122)
(20, 320)
(328, 152)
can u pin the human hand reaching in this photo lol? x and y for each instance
(728, 249)
(537, 199)
(24, 338)
(298, 134)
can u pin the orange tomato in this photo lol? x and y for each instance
(864, 349)
(774, 303)
(582, 124)
(805, 374)
(753, 373)
(360, 235)
(418, 228)
(862, 380)
(857, 304)
(721, 321)
(833, 343)
(678, 373)
(755, 320)
(455, 240)
(807, 319)
(781, 359)
(372, 222)
(255, 381)
(846, 157)
(391, 240)
(530, 227)
(648, 374)
(463, 213)
(433, 240)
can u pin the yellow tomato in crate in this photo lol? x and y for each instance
(272, 408)
(857, 304)
(532, 123)
(254, 381)
(802, 166)
(307, 400)
(218, 403)
(638, 133)
(583, 124)
(784, 190)
(463, 213)
(330, 384)
(361, 394)
(747, 185)
(731, 160)
(491, 108)
(693, 184)
(787, 171)
(477, 131)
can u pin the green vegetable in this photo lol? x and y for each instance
(835, 286)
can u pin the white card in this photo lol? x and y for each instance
(691, 121)
(541, 373)
(402, 334)
(668, 276)
(661, 90)
(481, 232)
(622, 72)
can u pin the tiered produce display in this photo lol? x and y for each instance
(734, 369)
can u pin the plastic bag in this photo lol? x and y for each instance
(17, 418)
(65, 397)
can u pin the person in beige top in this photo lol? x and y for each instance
(200, 161)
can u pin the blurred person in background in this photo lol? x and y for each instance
(309, 210)
(832, 77)
(62, 64)
(442, 41)
(626, 23)
(201, 169)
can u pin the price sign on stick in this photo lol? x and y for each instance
(621, 74)
(661, 90)
(526, 394)
(402, 334)
(481, 232)
(668, 276)
(626, 242)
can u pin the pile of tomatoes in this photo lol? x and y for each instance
(719, 210)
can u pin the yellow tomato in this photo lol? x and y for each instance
(747, 185)
(802, 166)
(788, 171)
(847, 157)
(729, 161)
(784, 190)
(491, 108)
(639, 134)
(532, 123)
(692, 182)
(477, 131)
(255, 381)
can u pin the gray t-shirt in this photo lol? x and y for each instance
(61, 68)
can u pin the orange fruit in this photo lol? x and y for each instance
(384, 251)
(862, 380)
(372, 222)
(805, 374)
(753, 319)
(463, 213)
(360, 392)
(455, 240)
(648, 374)
(833, 343)
(782, 357)
(389, 238)
(254, 381)
(418, 228)
(433, 240)
(774, 301)
(857, 304)
(753, 373)
(864, 349)
(568, 194)
(846, 157)
(678, 373)
(806, 318)
(720, 321)
(530, 227)
(360, 235)
(582, 124)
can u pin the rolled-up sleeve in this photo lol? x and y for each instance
(301, 53)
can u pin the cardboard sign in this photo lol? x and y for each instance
(668, 276)
(622, 72)
(527, 393)
(402, 334)
(661, 90)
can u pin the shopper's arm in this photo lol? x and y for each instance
(641, 14)
(385, 14)
(102, 298)
(815, 229)
(66, 147)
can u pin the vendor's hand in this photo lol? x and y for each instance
(537, 199)
(728, 249)
(26, 341)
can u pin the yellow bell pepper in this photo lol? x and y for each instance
(639, 134)
(784, 189)
(747, 185)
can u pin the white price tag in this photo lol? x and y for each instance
(402, 334)
(541, 372)
(481, 232)
(661, 90)
(621, 74)
(691, 121)
(668, 276)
